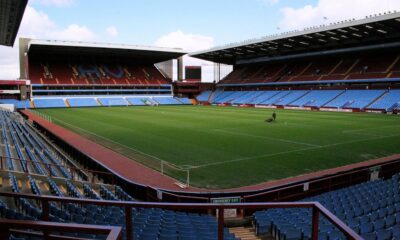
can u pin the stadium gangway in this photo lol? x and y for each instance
(8, 227)
(317, 210)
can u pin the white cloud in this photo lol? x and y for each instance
(37, 24)
(57, 3)
(189, 42)
(327, 11)
(112, 31)
(72, 32)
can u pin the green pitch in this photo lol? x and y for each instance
(227, 147)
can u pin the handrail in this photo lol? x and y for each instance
(317, 209)
(113, 232)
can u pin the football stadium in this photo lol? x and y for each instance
(300, 139)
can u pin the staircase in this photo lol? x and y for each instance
(211, 96)
(377, 99)
(299, 98)
(389, 69)
(66, 103)
(98, 102)
(351, 68)
(340, 94)
(245, 233)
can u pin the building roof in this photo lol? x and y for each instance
(70, 48)
(377, 29)
(11, 12)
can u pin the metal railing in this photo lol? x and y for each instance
(317, 211)
(43, 229)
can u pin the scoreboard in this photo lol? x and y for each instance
(193, 73)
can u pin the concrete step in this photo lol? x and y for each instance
(244, 233)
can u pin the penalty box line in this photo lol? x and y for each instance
(110, 140)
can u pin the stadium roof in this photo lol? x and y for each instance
(11, 12)
(377, 29)
(66, 48)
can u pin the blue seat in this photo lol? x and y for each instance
(384, 234)
(366, 228)
(379, 224)
(374, 216)
(291, 234)
(390, 221)
(382, 212)
(396, 232)
(168, 236)
(335, 235)
(369, 236)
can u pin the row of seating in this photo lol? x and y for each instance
(19, 104)
(94, 73)
(380, 65)
(162, 223)
(387, 100)
(152, 223)
(25, 145)
(108, 101)
(371, 209)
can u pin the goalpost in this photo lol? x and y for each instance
(180, 173)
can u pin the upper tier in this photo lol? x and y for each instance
(95, 74)
(318, 69)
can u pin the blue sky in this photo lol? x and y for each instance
(143, 22)
(189, 24)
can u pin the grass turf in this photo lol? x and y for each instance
(228, 147)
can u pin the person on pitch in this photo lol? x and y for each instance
(274, 116)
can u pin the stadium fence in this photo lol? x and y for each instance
(41, 229)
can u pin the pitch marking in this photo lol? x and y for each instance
(269, 138)
(292, 151)
(363, 129)
(123, 145)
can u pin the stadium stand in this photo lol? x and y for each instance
(280, 78)
(20, 104)
(334, 68)
(116, 101)
(275, 98)
(82, 102)
(167, 100)
(49, 103)
(371, 209)
(138, 101)
(358, 99)
(278, 68)
(388, 102)
(204, 96)
(317, 98)
(339, 99)
(264, 96)
(291, 97)
(41, 178)
(94, 74)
